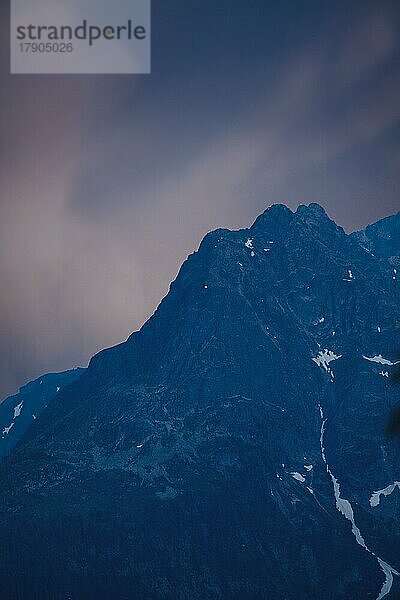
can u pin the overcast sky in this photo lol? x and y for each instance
(108, 182)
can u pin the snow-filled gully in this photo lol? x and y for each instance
(345, 508)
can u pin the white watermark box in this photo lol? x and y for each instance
(80, 36)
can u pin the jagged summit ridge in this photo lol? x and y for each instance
(279, 214)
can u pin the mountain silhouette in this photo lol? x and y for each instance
(235, 446)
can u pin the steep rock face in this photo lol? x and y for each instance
(231, 447)
(382, 238)
(19, 411)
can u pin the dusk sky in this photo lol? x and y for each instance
(108, 182)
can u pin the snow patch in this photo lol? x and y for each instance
(325, 357)
(298, 477)
(17, 412)
(350, 276)
(18, 409)
(7, 430)
(376, 496)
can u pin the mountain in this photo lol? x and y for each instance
(17, 412)
(234, 447)
(382, 238)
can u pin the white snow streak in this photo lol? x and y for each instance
(6, 430)
(379, 359)
(345, 508)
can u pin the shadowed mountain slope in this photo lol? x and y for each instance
(19, 411)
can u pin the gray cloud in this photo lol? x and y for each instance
(107, 185)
